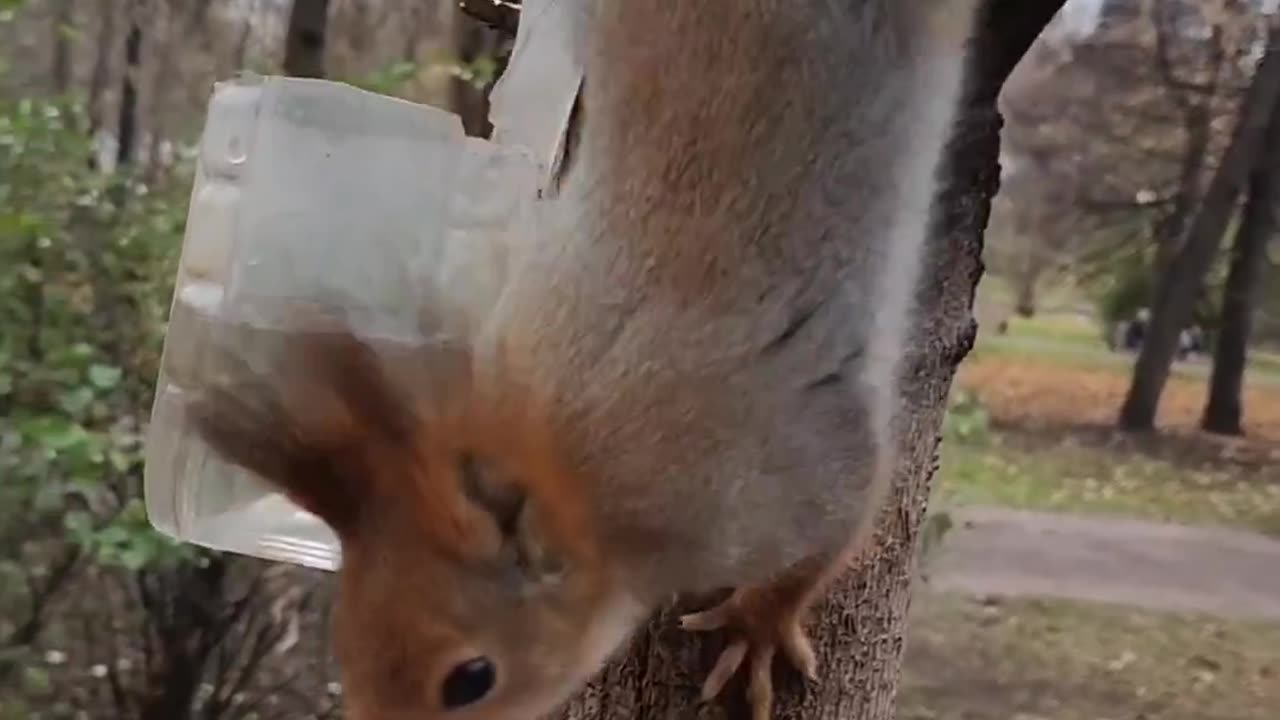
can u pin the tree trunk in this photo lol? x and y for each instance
(1032, 267)
(164, 30)
(471, 40)
(240, 56)
(305, 38)
(101, 72)
(127, 124)
(63, 17)
(1180, 286)
(1197, 126)
(860, 629)
(1222, 413)
(1171, 229)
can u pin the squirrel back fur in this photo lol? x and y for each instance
(724, 282)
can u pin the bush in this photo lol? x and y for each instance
(1121, 292)
(96, 608)
(86, 262)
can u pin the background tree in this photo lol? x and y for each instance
(1223, 412)
(1180, 285)
(1111, 138)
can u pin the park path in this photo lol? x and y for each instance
(1004, 552)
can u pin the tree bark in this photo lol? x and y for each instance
(304, 42)
(1224, 411)
(1180, 286)
(859, 629)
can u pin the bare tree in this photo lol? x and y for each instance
(1223, 411)
(1114, 134)
(1193, 94)
(1180, 285)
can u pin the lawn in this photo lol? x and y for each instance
(1065, 332)
(1076, 476)
(1053, 660)
(1032, 427)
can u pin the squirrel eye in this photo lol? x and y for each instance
(469, 682)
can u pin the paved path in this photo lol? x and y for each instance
(1002, 552)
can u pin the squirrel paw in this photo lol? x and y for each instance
(762, 623)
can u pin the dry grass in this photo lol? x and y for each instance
(1047, 395)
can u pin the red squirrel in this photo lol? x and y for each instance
(689, 381)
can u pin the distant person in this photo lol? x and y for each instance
(1190, 342)
(1136, 331)
(1115, 339)
(1184, 344)
(1197, 340)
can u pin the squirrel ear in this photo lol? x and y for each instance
(248, 424)
(311, 429)
(523, 544)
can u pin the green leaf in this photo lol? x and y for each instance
(79, 525)
(113, 535)
(105, 377)
(50, 432)
(76, 401)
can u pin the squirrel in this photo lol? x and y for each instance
(689, 383)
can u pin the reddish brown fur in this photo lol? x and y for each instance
(423, 563)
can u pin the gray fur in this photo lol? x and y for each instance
(720, 292)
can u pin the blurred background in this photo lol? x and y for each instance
(1102, 540)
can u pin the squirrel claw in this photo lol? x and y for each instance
(761, 628)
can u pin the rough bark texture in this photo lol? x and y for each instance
(305, 38)
(1180, 285)
(858, 631)
(1223, 413)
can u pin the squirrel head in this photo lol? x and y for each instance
(471, 584)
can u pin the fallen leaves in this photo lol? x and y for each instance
(1018, 391)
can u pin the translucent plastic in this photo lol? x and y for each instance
(307, 191)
